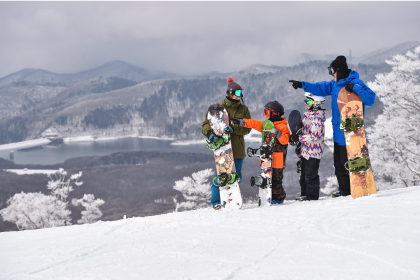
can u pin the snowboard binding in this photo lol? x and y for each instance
(357, 164)
(299, 165)
(226, 179)
(260, 181)
(252, 152)
(352, 124)
(224, 139)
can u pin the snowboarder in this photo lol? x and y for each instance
(236, 108)
(312, 146)
(343, 77)
(273, 111)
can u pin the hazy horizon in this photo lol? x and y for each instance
(195, 37)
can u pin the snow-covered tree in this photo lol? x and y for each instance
(92, 212)
(196, 189)
(395, 137)
(60, 186)
(36, 210)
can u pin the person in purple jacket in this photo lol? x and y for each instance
(343, 77)
(312, 146)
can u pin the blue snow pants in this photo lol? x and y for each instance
(215, 193)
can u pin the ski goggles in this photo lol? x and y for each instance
(238, 92)
(269, 112)
(309, 102)
(332, 70)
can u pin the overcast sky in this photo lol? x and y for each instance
(195, 37)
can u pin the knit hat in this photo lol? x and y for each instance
(340, 64)
(232, 86)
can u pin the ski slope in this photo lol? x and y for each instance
(376, 237)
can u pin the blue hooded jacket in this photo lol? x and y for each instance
(333, 88)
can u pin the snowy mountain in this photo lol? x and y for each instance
(172, 108)
(379, 56)
(375, 237)
(116, 68)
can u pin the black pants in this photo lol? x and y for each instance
(309, 178)
(278, 192)
(343, 177)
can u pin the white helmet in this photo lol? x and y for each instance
(318, 100)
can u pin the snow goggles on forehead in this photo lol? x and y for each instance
(332, 70)
(238, 92)
(308, 101)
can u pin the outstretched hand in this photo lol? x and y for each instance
(237, 122)
(296, 84)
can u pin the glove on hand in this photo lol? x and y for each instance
(294, 138)
(229, 130)
(238, 122)
(212, 137)
(277, 133)
(349, 87)
(296, 84)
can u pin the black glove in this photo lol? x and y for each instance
(238, 122)
(235, 121)
(296, 84)
(349, 87)
(229, 130)
(294, 138)
(212, 137)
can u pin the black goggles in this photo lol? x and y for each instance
(238, 93)
(332, 70)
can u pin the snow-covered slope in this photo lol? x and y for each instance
(376, 237)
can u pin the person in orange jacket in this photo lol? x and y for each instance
(273, 111)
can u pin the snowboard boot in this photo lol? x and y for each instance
(305, 198)
(217, 206)
(278, 195)
(339, 193)
(273, 201)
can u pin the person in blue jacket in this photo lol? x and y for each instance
(343, 77)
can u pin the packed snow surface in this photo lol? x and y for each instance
(375, 237)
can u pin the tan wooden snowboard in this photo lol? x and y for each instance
(361, 183)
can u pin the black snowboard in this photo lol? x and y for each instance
(295, 126)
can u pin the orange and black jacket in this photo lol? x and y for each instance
(280, 144)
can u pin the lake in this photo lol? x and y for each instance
(58, 153)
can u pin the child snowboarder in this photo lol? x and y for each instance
(312, 146)
(273, 112)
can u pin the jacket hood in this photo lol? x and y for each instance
(352, 76)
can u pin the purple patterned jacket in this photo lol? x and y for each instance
(312, 137)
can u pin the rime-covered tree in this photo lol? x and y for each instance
(36, 210)
(91, 213)
(195, 189)
(395, 137)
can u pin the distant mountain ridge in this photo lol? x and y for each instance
(127, 100)
(379, 56)
(117, 68)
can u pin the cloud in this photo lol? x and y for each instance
(194, 37)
